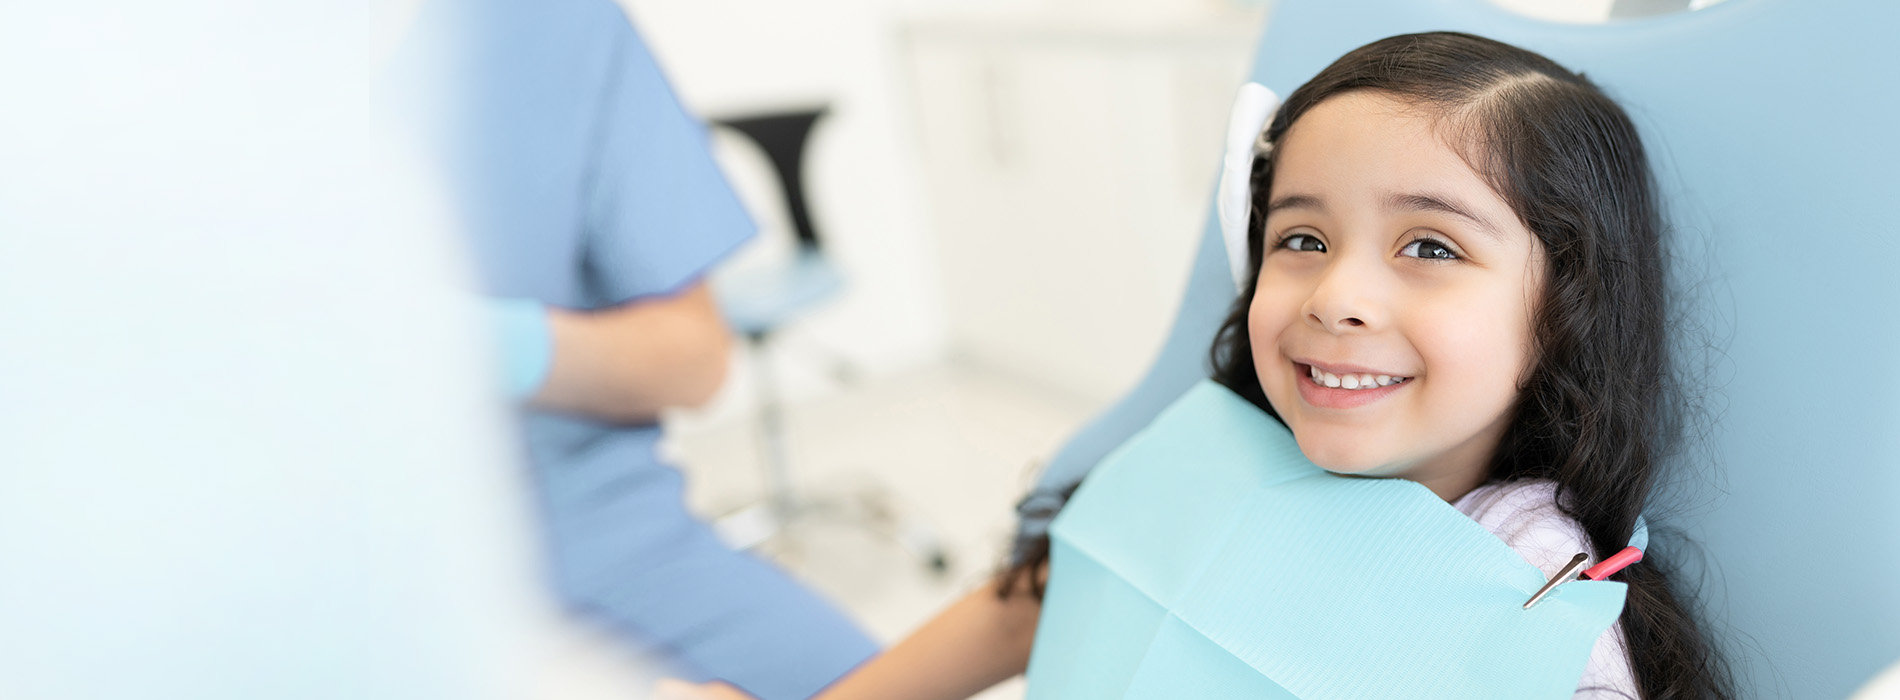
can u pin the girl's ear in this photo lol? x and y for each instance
(1252, 108)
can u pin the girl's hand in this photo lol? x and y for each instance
(674, 689)
(977, 642)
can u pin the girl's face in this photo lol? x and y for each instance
(1395, 274)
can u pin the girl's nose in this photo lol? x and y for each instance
(1345, 300)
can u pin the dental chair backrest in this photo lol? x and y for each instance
(1771, 128)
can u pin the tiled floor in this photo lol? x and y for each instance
(951, 447)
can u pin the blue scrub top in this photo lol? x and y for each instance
(587, 185)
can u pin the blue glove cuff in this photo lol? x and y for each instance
(526, 344)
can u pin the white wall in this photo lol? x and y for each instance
(1076, 162)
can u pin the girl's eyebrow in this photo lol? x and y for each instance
(1404, 202)
(1397, 202)
(1296, 201)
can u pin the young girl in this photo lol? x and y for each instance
(1457, 280)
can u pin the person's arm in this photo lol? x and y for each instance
(626, 363)
(977, 642)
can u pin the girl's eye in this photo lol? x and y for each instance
(1428, 249)
(1300, 242)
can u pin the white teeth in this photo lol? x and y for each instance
(1352, 382)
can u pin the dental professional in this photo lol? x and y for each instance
(595, 209)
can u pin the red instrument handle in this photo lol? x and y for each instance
(1615, 563)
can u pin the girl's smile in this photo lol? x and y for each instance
(1346, 386)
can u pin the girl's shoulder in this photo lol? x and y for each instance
(1525, 515)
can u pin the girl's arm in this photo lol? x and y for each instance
(977, 642)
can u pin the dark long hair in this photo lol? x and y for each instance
(1602, 409)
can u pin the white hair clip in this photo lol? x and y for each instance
(1246, 139)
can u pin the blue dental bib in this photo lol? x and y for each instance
(1206, 557)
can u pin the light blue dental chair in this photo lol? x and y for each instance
(1771, 126)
